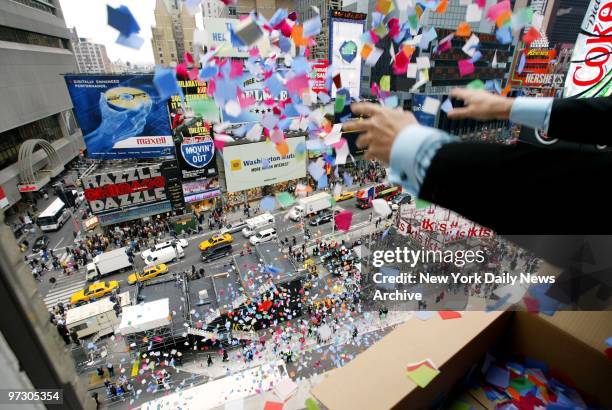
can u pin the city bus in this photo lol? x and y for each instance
(54, 217)
(384, 191)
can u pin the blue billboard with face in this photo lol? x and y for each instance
(121, 116)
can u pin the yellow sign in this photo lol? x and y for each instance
(235, 165)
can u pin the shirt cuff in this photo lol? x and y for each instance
(532, 112)
(411, 155)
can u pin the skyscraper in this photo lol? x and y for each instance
(34, 53)
(91, 57)
(173, 32)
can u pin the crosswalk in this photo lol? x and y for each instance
(64, 288)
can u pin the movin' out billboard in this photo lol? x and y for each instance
(121, 116)
(257, 164)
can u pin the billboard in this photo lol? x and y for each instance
(590, 72)
(191, 133)
(121, 116)
(217, 34)
(254, 88)
(345, 29)
(126, 190)
(257, 164)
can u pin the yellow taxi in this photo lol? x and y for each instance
(216, 240)
(345, 196)
(94, 291)
(148, 273)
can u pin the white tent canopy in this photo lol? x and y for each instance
(145, 316)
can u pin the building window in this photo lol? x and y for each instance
(10, 141)
(44, 5)
(231, 11)
(16, 35)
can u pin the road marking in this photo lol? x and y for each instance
(62, 294)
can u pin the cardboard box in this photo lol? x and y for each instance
(377, 378)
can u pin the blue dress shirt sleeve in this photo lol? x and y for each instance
(533, 112)
(412, 153)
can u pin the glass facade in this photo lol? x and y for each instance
(10, 141)
(16, 35)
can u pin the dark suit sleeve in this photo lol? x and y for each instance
(522, 189)
(583, 120)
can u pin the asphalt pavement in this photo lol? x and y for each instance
(65, 286)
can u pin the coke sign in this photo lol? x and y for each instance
(590, 72)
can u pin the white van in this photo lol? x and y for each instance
(164, 255)
(263, 236)
(258, 222)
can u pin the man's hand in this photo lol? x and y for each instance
(379, 130)
(480, 105)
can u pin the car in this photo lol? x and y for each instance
(323, 218)
(263, 236)
(167, 244)
(296, 213)
(233, 227)
(346, 195)
(40, 243)
(148, 273)
(216, 252)
(93, 291)
(216, 240)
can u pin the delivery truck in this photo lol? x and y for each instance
(108, 263)
(310, 205)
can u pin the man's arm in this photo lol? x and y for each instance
(521, 189)
(570, 119)
(584, 120)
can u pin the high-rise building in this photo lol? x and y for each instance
(212, 8)
(305, 11)
(36, 113)
(565, 20)
(173, 32)
(264, 7)
(91, 57)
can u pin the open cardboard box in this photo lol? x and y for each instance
(572, 343)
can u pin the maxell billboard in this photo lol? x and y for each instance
(121, 116)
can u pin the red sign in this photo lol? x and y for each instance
(319, 70)
(28, 188)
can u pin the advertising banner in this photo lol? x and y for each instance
(258, 164)
(217, 34)
(121, 116)
(345, 29)
(195, 191)
(318, 72)
(590, 72)
(192, 134)
(254, 88)
(130, 188)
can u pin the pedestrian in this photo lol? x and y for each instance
(111, 369)
(94, 396)
(209, 361)
(100, 371)
(225, 356)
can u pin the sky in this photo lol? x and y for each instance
(89, 18)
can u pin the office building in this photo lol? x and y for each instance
(91, 57)
(305, 11)
(173, 32)
(35, 51)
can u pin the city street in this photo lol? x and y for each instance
(65, 286)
